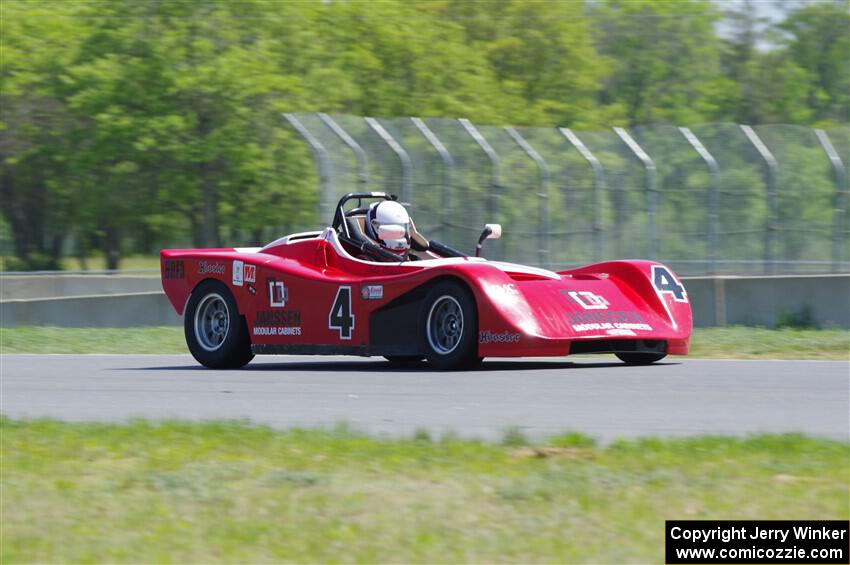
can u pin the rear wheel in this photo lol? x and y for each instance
(216, 334)
(640, 358)
(449, 322)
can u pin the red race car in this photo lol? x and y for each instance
(372, 285)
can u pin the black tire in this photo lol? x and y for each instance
(640, 358)
(403, 359)
(449, 323)
(216, 334)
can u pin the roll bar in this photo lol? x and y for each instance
(340, 224)
(339, 215)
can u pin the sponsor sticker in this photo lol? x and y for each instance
(278, 293)
(486, 336)
(250, 273)
(210, 268)
(277, 323)
(252, 289)
(238, 267)
(372, 292)
(622, 320)
(586, 299)
(174, 269)
(503, 290)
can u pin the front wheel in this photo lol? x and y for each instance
(216, 334)
(449, 322)
(640, 358)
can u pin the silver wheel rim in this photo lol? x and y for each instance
(444, 326)
(212, 322)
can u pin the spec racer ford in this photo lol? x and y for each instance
(371, 285)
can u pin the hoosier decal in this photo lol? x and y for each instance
(210, 268)
(486, 336)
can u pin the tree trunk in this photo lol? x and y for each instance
(82, 250)
(210, 200)
(112, 247)
(195, 227)
(14, 215)
(56, 250)
(209, 197)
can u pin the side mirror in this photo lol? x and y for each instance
(390, 231)
(491, 231)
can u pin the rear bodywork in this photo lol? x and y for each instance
(306, 294)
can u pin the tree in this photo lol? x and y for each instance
(666, 60)
(819, 43)
(39, 41)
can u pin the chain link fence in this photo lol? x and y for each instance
(709, 199)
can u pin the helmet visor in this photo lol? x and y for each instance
(387, 232)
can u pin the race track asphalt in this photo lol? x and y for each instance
(600, 397)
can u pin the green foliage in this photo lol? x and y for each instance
(801, 319)
(818, 44)
(130, 125)
(666, 60)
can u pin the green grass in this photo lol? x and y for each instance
(761, 343)
(41, 339)
(95, 263)
(225, 491)
(734, 342)
(98, 263)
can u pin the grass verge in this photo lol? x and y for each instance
(732, 342)
(761, 343)
(212, 492)
(45, 339)
(92, 263)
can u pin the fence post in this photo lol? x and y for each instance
(713, 189)
(651, 190)
(359, 154)
(402, 155)
(448, 168)
(322, 163)
(840, 201)
(543, 196)
(493, 200)
(598, 187)
(770, 161)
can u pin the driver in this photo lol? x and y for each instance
(388, 223)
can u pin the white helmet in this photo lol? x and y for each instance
(388, 223)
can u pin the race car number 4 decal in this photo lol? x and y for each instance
(664, 281)
(341, 317)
